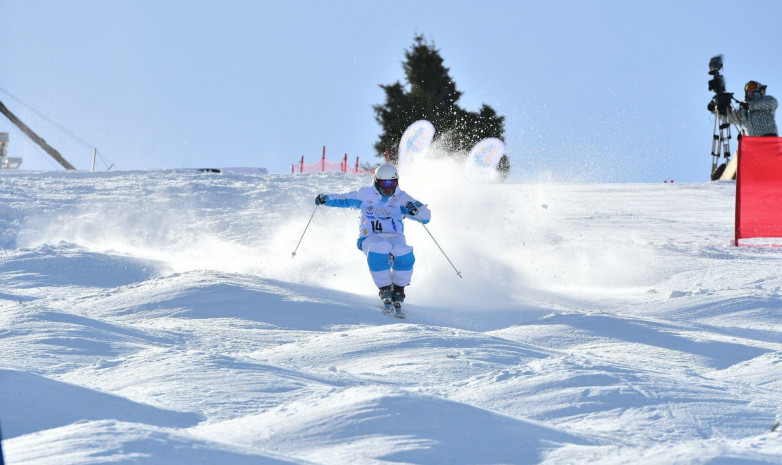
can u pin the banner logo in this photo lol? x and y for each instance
(487, 153)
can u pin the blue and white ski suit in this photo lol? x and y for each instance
(381, 232)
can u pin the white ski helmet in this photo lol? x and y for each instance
(386, 180)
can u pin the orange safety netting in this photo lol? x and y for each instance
(325, 166)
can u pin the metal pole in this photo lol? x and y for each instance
(459, 273)
(36, 138)
(94, 156)
(305, 230)
(1, 448)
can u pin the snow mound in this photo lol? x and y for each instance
(158, 317)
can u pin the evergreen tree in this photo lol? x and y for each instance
(430, 93)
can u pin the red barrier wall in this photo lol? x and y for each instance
(759, 188)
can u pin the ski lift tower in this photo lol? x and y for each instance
(6, 162)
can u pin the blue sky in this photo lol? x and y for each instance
(600, 91)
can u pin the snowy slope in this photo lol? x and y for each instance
(158, 317)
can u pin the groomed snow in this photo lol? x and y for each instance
(158, 317)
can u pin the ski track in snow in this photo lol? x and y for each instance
(158, 317)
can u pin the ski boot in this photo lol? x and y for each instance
(397, 298)
(386, 296)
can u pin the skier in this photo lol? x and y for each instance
(381, 232)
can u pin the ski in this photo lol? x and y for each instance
(392, 303)
(391, 310)
(388, 309)
(398, 311)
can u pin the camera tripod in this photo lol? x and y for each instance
(720, 146)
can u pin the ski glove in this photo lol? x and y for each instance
(412, 210)
(321, 199)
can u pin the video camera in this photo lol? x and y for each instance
(722, 99)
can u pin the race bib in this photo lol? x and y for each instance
(376, 225)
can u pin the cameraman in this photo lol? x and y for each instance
(756, 113)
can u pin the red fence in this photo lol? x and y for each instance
(759, 188)
(325, 166)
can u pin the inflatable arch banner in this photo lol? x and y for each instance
(416, 139)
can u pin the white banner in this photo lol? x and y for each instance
(486, 153)
(415, 140)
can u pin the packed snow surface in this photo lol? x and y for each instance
(158, 317)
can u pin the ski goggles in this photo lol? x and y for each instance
(387, 183)
(751, 85)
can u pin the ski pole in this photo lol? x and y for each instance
(305, 231)
(459, 273)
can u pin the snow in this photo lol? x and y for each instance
(159, 317)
